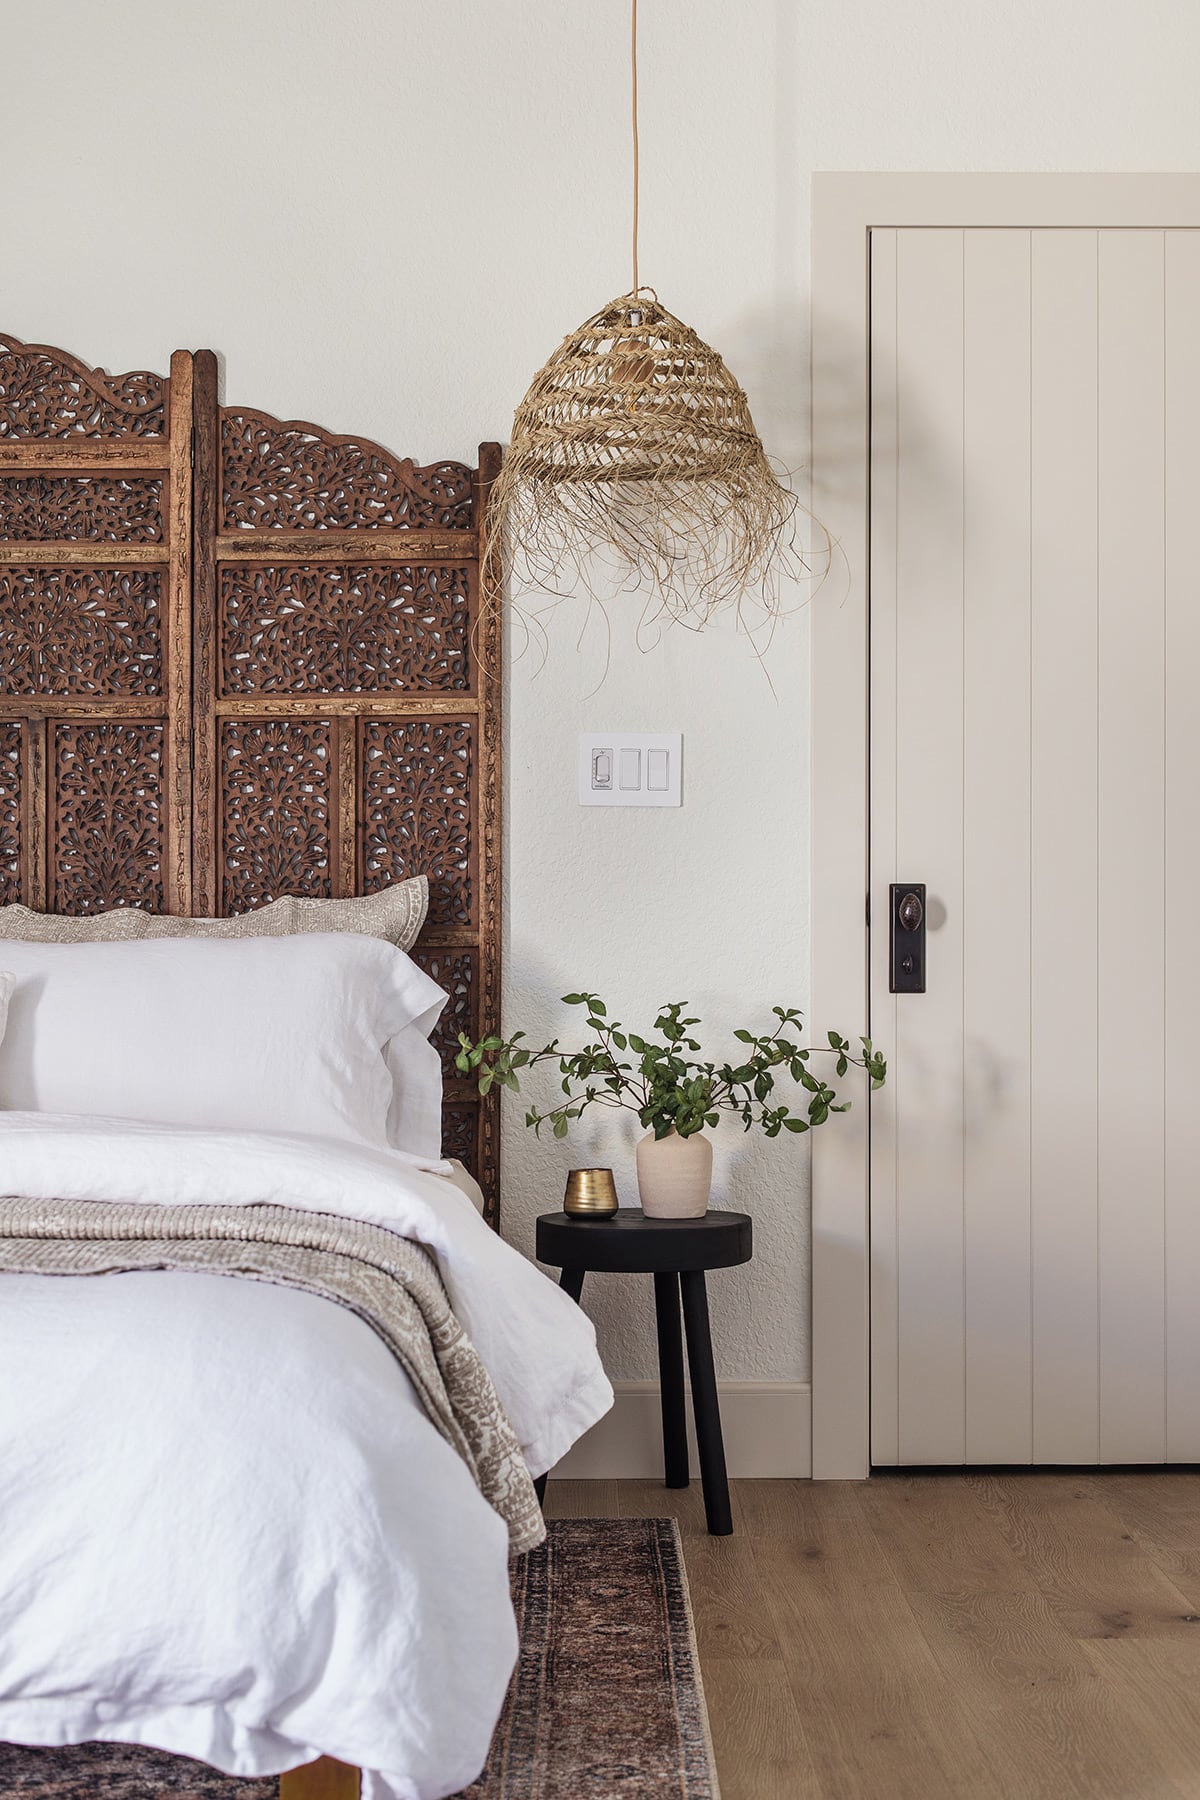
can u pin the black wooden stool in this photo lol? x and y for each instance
(676, 1252)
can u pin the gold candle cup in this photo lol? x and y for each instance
(591, 1193)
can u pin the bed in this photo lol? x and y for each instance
(245, 670)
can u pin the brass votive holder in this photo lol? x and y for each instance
(591, 1193)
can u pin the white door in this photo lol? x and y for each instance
(1035, 741)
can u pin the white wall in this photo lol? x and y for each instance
(385, 215)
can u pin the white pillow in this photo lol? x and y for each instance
(395, 913)
(7, 984)
(270, 1034)
(414, 1121)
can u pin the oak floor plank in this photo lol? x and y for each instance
(324, 1779)
(1161, 1510)
(1096, 1574)
(581, 1500)
(937, 1535)
(781, 1508)
(1157, 1682)
(650, 1500)
(727, 1599)
(758, 1738)
(871, 1697)
(1050, 1725)
(1158, 1679)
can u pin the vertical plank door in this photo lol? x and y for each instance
(1035, 667)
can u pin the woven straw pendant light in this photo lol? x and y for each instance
(635, 446)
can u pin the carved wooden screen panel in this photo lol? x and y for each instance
(95, 682)
(240, 658)
(347, 698)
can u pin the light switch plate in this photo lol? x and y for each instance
(631, 768)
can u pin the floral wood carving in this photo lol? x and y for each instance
(453, 970)
(124, 509)
(80, 631)
(10, 814)
(324, 628)
(107, 845)
(45, 393)
(276, 834)
(298, 477)
(460, 1126)
(417, 777)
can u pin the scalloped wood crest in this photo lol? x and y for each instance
(240, 657)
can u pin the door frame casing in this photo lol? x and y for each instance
(845, 210)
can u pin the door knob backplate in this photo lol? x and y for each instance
(907, 963)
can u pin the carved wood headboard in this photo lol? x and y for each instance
(239, 658)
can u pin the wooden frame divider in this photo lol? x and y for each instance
(242, 656)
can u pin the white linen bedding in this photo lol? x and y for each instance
(226, 1526)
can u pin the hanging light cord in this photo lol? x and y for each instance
(634, 75)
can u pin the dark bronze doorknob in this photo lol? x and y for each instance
(911, 912)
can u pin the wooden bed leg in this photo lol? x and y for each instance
(321, 1780)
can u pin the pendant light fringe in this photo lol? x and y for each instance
(635, 444)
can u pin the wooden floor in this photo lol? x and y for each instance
(990, 1636)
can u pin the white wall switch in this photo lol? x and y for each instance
(631, 768)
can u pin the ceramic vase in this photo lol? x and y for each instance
(674, 1175)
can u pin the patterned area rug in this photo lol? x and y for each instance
(606, 1702)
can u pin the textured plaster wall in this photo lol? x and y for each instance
(385, 214)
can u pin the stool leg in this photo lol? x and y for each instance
(670, 1380)
(704, 1403)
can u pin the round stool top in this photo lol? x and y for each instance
(629, 1243)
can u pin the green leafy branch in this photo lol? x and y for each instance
(666, 1082)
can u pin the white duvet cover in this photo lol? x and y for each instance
(226, 1527)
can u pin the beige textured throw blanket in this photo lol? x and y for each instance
(390, 1282)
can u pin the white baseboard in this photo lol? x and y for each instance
(767, 1426)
